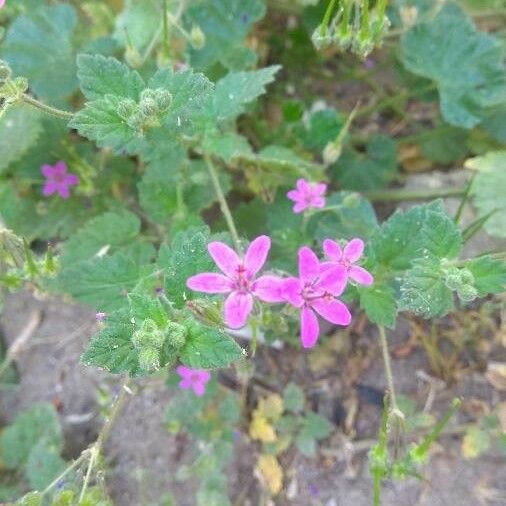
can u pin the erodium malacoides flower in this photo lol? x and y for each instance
(239, 279)
(347, 257)
(307, 195)
(196, 379)
(316, 291)
(58, 180)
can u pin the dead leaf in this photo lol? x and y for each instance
(411, 158)
(271, 473)
(260, 429)
(496, 375)
(271, 407)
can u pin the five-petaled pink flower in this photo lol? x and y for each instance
(307, 195)
(195, 379)
(238, 279)
(316, 289)
(347, 257)
(58, 180)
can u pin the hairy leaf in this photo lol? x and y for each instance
(379, 303)
(489, 274)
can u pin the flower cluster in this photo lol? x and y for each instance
(314, 291)
(57, 180)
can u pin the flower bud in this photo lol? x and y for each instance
(331, 153)
(176, 334)
(126, 108)
(149, 359)
(21, 84)
(136, 121)
(321, 40)
(148, 93)
(206, 311)
(197, 37)
(467, 293)
(163, 99)
(148, 107)
(148, 335)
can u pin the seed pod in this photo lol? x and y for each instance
(197, 37)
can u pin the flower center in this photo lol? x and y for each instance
(241, 280)
(59, 178)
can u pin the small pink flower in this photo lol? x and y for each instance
(316, 290)
(307, 195)
(100, 317)
(58, 180)
(195, 379)
(347, 257)
(2, 3)
(239, 279)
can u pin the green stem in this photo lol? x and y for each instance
(394, 195)
(326, 18)
(464, 199)
(46, 108)
(103, 435)
(222, 200)
(165, 28)
(388, 366)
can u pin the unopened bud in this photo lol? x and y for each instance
(148, 93)
(163, 99)
(126, 108)
(21, 84)
(197, 37)
(176, 334)
(148, 107)
(132, 57)
(321, 40)
(467, 293)
(5, 71)
(136, 121)
(148, 335)
(331, 153)
(149, 359)
(206, 311)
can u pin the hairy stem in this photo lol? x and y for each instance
(46, 108)
(398, 195)
(388, 366)
(222, 200)
(104, 433)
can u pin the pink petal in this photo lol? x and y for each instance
(256, 254)
(309, 265)
(225, 257)
(353, 250)
(299, 207)
(237, 308)
(319, 188)
(185, 383)
(269, 289)
(59, 168)
(332, 250)
(309, 328)
(199, 389)
(71, 179)
(291, 291)
(333, 280)
(303, 186)
(332, 310)
(360, 275)
(295, 195)
(318, 202)
(63, 191)
(204, 376)
(47, 171)
(209, 282)
(49, 188)
(183, 371)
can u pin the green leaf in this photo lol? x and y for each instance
(469, 71)
(143, 307)
(440, 236)
(101, 235)
(350, 215)
(227, 146)
(370, 170)
(186, 256)
(423, 290)
(313, 427)
(379, 304)
(112, 348)
(100, 76)
(293, 398)
(323, 127)
(44, 465)
(488, 190)
(18, 118)
(38, 423)
(400, 240)
(225, 24)
(208, 348)
(100, 122)
(104, 282)
(38, 46)
(237, 89)
(489, 274)
(444, 144)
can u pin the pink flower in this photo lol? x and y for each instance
(307, 195)
(347, 257)
(100, 317)
(195, 379)
(316, 290)
(57, 180)
(238, 279)
(2, 3)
